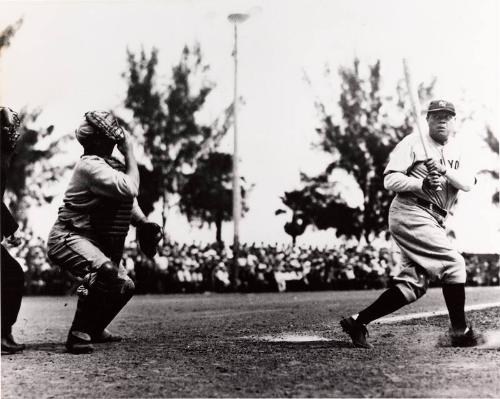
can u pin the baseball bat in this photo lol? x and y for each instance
(415, 107)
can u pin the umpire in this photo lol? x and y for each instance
(12, 273)
(88, 237)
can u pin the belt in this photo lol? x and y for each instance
(428, 205)
(432, 207)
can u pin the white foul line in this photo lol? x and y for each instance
(442, 312)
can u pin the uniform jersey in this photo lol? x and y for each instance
(408, 158)
(93, 179)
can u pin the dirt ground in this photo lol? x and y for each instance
(251, 345)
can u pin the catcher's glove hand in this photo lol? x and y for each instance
(149, 235)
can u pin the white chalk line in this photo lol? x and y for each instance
(441, 312)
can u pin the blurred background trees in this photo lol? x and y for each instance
(178, 146)
(357, 130)
(491, 141)
(359, 134)
(207, 194)
(33, 173)
(8, 33)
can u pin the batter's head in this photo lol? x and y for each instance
(441, 120)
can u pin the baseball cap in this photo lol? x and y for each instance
(441, 105)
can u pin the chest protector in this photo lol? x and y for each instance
(110, 220)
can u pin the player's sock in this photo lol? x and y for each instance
(454, 296)
(390, 301)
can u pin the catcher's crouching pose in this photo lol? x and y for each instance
(88, 237)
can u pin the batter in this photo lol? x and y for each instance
(427, 188)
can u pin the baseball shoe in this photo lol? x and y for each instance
(357, 331)
(466, 338)
(105, 336)
(79, 343)
(9, 346)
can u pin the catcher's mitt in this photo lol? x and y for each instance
(106, 123)
(149, 235)
(9, 125)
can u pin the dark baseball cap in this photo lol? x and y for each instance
(441, 105)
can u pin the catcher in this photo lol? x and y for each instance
(12, 273)
(87, 240)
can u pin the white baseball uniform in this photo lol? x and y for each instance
(416, 216)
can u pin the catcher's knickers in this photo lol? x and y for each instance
(106, 287)
(76, 254)
(426, 251)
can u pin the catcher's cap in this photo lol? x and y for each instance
(441, 105)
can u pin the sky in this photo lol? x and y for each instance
(68, 58)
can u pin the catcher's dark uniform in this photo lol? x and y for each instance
(12, 274)
(12, 277)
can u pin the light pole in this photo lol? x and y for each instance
(236, 19)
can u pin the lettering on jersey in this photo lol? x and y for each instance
(453, 164)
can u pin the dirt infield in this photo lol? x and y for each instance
(245, 345)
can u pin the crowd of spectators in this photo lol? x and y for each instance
(261, 267)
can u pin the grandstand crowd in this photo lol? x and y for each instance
(262, 267)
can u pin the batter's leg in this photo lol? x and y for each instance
(454, 296)
(410, 284)
(387, 303)
(390, 301)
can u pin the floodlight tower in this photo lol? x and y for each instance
(236, 19)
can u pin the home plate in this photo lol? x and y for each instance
(289, 338)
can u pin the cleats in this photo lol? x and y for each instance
(9, 346)
(79, 343)
(357, 331)
(467, 338)
(106, 336)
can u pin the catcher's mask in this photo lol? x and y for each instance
(101, 123)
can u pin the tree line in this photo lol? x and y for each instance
(184, 168)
